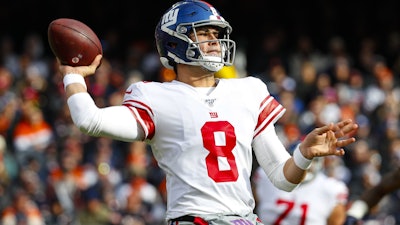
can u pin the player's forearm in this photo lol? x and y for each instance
(292, 172)
(389, 183)
(295, 167)
(372, 196)
(74, 83)
(273, 158)
(74, 88)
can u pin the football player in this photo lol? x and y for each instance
(370, 198)
(202, 130)
(318, 200)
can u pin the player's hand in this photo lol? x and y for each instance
(329, 139)
(82, 70)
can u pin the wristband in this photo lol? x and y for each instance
(73, 78)
(301, 161)
(358, 209)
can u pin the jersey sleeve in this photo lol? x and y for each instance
(337, 190)
(270, 110)
(342, 193)
(115, 122)
(138, 102)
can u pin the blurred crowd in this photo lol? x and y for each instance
(50, 173)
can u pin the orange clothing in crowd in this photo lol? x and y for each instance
(24, 211)
(32, 132)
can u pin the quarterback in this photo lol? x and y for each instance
(202, 130)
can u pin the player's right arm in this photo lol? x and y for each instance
(117, 122)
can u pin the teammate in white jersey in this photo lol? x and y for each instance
(318, 200)
(203, 130)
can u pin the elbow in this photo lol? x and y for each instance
(83, 127)
(86, 124)
(285, 186)
(280, 181)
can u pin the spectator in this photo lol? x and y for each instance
(32, 133)
(23, 210)
(8, 103)
(67, 182)
(365, 173)
(8, 173)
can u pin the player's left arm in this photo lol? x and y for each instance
(273, 158)
(284, 171)
(287, 172)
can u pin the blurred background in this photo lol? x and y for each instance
(323, 60)
(353, 20)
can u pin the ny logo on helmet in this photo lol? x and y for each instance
(215, 13)
(170, 18)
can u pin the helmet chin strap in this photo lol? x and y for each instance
(212, 63)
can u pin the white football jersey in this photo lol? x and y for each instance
(203, 142)
(311, 203)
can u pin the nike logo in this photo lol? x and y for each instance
(128, 92)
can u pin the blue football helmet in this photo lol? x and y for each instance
(173, 30)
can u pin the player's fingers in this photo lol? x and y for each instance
(339, 152)
(345, 129)
(350, 128)
(345, 142)
(91, 69)
(343, 123)
(330, 138)
(97, 60)
(335, 148)
(324, 129)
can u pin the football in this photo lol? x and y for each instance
(73, 42)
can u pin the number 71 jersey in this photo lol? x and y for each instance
(203, 141)
(311, 203)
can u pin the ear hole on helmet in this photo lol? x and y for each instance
(172, 44)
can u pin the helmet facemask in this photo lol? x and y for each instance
(212, 63)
